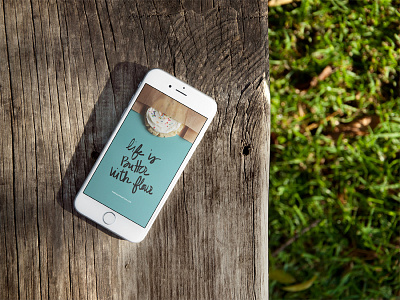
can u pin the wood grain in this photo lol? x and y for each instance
(68, 70)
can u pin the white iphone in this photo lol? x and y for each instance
(145, 155)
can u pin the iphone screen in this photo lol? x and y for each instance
(145, 155)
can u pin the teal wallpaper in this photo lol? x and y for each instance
(136, 170)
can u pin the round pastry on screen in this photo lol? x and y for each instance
(159, 124)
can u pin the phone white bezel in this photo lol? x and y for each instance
(179, 91)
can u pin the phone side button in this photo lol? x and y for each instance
(109, 218)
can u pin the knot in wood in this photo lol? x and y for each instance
(246, 150)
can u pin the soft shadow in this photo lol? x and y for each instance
(114, 98)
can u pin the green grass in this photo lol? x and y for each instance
(350, 183)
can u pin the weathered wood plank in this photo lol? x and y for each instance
(8, 252)
(68, 70)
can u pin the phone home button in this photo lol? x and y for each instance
(109, 218)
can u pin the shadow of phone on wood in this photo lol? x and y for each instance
(105, 115)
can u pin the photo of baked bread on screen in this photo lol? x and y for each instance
(165, 117)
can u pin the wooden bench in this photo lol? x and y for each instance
(67, 71)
